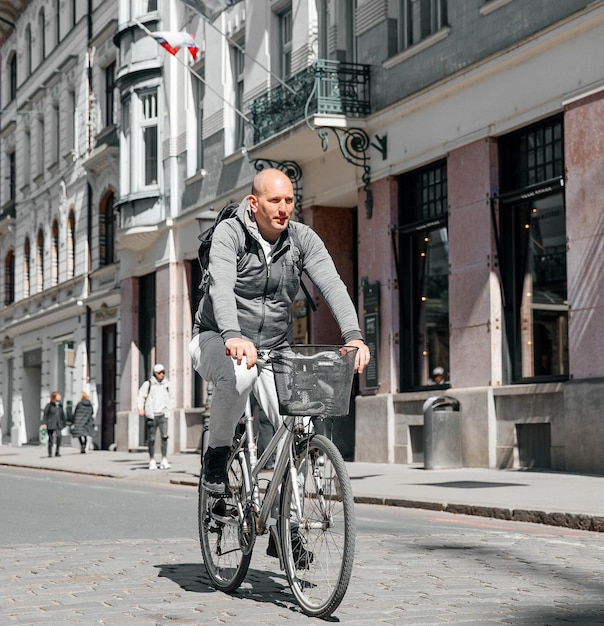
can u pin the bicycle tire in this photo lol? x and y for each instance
(327, 529)
(220, 531)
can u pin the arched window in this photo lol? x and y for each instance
(40, 261)
(107, 230)
(12, 76)
(26, 268)
(28, 49)
(71, 245)
(9, 277)
(54, 255)
(42, 34)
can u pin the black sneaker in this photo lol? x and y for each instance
(302, 557)
(215, 479)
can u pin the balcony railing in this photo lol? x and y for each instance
(327, 87)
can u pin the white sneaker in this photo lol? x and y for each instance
(164, 464)
(152, 464)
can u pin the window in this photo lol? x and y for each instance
(423, 268)
(199, 94)
(417, 19)
(149, 128)
(41, 146)
(12, 177)
(107, 231)
(323, 28)
(54, 258)
(110, 94)
(72, 126)
(238, 66)
(42, 34)
(71, 245)
(9, 277)
(40, 261)
(57, 22)
(285, 43)
(56, 139)
(28, 50)
(27, 157)
(26, 268)
(533, 251)
(12, 72)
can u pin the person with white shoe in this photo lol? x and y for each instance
(155, 404)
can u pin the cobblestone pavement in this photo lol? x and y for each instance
(437, 569)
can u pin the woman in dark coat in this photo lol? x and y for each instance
(83, 422)
(53, 420)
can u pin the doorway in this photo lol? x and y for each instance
(108, 390)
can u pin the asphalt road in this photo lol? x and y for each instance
(85, 550)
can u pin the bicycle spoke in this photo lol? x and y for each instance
(319, 544)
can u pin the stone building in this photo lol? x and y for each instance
(447, 152)
(58, 157)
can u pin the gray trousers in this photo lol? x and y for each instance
(232, 386)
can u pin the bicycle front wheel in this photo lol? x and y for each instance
(318, 537)
(226, 533)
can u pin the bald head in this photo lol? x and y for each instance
(267, 178)
(272, 202)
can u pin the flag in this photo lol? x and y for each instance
(210, 9)
(172, 42)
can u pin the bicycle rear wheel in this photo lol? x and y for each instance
(318, 547)
(226, 533)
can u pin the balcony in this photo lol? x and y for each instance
(328, 87)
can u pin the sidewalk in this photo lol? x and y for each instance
(557, 499)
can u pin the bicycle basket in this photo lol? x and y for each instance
(313, 380)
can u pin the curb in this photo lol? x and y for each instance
(575, 521)
(590, 523)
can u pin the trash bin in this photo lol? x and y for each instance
(442, 433)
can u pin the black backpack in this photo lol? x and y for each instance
(203, 253)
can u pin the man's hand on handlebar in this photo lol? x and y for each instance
(362, 356)
(237, 348)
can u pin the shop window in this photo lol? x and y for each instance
(533, 251)
(423, 270)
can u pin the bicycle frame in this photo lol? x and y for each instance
(284, 437)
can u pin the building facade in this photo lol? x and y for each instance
(60, 281)
(447, 152)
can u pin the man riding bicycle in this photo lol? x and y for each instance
(256, 261)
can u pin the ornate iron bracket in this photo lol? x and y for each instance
(382, 145)
(354, 145)
(293, 171)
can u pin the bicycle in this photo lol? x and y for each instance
(315, 531)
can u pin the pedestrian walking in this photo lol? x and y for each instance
(53, 419)
(83, 421)
(155, 405)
